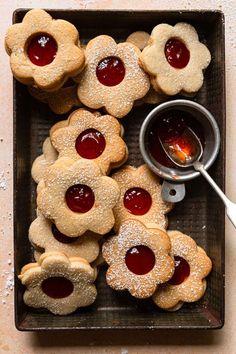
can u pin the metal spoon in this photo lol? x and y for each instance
(182, 159)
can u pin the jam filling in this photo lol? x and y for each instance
(80, 198)
(110, 71)
(90, 144)
(137, 201)
(140, 260)
(182, 271)
(176, 53)
(42, 49)
(168, 128)
(57, 287)
(60, 237)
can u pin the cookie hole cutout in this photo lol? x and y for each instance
(137, 201)
(176, 53)
(80, 198)
(90, 144)
(182, 271)
(110, 71)
(42, 49)
(57, 287)
(60, 237)
(140, 259)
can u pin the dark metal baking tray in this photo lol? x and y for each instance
(200, 215)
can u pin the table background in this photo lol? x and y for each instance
(13, 341)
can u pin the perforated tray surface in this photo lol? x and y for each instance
(200, 214)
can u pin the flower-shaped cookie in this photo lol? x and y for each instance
(58, 283)
(42, 162)
(140, 197)
(139, 39)
(44, 52)
(87, 136)
(152, 97)
(192, 265)
(44, 235)
(77, 197)
(175, 58)
(112, 77)
(60, 101)
(138, 259)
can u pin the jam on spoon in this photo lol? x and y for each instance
(168, 129)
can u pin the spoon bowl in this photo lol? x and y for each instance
(184, 150)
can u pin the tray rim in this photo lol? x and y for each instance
(19, 325)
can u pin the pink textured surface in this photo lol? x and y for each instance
(12, 341)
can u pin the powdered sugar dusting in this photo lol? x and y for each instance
(133, 233)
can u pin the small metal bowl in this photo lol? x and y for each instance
(178, 175)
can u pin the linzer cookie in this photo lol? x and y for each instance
(188, 283)
(58, 283)
(77, 197)
(175, 59)
(112, 77)
(139, 39)
(42, 162)
(140, 197)
(60, 101)
(138, 259)
(43, 51)
(152, 97)
(87, 136)
(44, 235)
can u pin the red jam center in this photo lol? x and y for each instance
(90, 144)
(177, 54)
(57, 287)
(60, 237)
(140, 260)
(42, 49)
(80, 198)
(137, 201)
(169, 127)
(182, 271)
(110, 71)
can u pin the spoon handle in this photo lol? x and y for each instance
(230, 206)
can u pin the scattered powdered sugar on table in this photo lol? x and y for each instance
(124, 351)
(8, 287)
(3, 181)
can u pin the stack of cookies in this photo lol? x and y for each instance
(79, 200)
